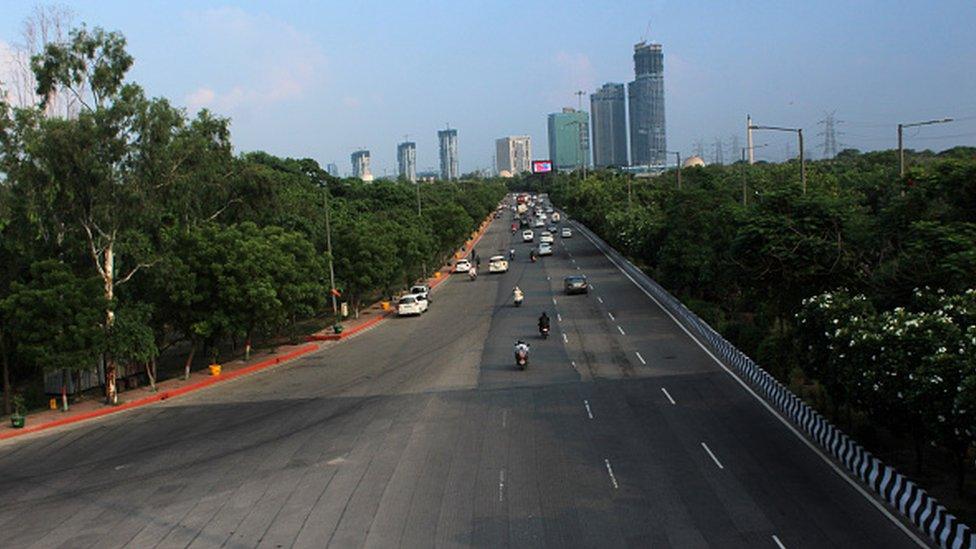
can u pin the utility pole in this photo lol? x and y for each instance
(745, 185)
(901, 141)
(328, 248)
(749, 138)
(799, 134)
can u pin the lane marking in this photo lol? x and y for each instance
(553, 301)
(778, 542)
(667, 394)
(573, 364)
(621, 330)
(823, 457)
(565, 339)
(501, 485)
(611, 316)
(504, 418)
(573, 260)
(577, 267)
(715, 459)
(120, 467)
(588, 411)
(559, 317)
(613, 479)
(598, 298)
(548, 278)
(592, 285)
(640, 358)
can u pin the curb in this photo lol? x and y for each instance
(165, 395)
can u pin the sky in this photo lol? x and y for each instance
(320, 79)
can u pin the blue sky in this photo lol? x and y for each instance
(320, 79)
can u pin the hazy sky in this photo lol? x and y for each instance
(321, 79)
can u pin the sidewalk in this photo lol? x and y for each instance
(171, 388)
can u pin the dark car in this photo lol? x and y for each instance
(575, 284)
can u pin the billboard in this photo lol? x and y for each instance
(541, 166)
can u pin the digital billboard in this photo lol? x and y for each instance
(541, 166)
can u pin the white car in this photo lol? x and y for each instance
(546, 237)
(528, 236)
(497, 264)
(567, 232)
(539, 223)
(545, 249)
(422, 290)
(462, 266)
(411, 305)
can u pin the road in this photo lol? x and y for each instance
(420, 433)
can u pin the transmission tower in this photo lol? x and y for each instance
(699, 149)
(736, 149)
(829, 134)
(718, 158)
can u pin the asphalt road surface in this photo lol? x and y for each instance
(420, 433)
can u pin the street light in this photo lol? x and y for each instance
(799, 133)
(328, 246)
(901, 148)
(744, 185)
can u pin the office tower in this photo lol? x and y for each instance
(360, 165)
(569, 139)
(513, 154)
(609, 115)
(646, 95)
(407, 161)
(332, 169)
(449, 154)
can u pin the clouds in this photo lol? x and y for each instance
(253, 61)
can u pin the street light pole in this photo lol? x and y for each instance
(901, 141)
(799, 133)
(328, 247)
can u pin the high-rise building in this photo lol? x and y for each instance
(569, 139)
(449, 154)
(513, 154)
(332, 169)
(648, 146)
(609, 126)
(360, 165)
(407, 161)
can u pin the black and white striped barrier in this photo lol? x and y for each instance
(924, 511)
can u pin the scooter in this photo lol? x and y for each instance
(522, 358)
(472, 274)
(518, 300)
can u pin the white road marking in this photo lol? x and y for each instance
(501, 485)
(640, 358)
(577, 267)
(548, 278)
(589, 412)
(553, 301)
(559, 317)
(715, 459)
(778, 542)
(120, 467)
(600, 299)
(613, 479)
(573, 364)
(842, 474)
(565, 339)
(573, 260)
(667, 394)
(504, 418)
(621, 330)
(611, 316)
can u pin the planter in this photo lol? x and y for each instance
(17, 421)
(337, 328)
(214, 370)
(385, 305)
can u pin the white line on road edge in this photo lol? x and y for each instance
(853, 483)
(504, 418)
(600, 299)
(667, 394)
(559, 317)
(621, 330)
(501, 485)
(778, 542)
(611, 316)
(640, 358)
(613, 479)
(588, 411)
(565, 339)
(715, 459)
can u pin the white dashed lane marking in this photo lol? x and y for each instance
(667, 394)
(611, 316)
(778, 542)
(640, 358)
(711, 455)
(600, 299)
(565, 339)
(589, 413)
(621, 330)
(613, 479)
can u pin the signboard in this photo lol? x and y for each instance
(541, 166)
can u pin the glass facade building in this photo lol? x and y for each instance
(569, 139)
(407, 161)
(648, 146)
(449, 154)
(609, 113)
(360, 165)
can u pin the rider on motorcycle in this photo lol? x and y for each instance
(521, 346)
(517, 294)
(543, 321)
(511, 254)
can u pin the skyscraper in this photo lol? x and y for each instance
(449, 154)
(332, 169)
(407, 161)
(360, 165)
(609, 126)
(513, 154)
(646, 96)
(569, 139)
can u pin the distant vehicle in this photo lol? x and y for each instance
(422, 290)
(556, 217)
(462, 266)
(566, 232)
(546, 237)
(539, 223)
(575, 284)
(497, 264)
(549, 210)
(411, 305)
(551, 228)
(545, 249)
(528, 235)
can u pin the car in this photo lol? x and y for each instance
(497, 264)
(575, 284)
(546, 237)
(545, 249)
(528, 235)
(462, 266)
(421, 290)
(411, 305)
(552, 228)
(566, 232)
(539, 223)
(556, 217)
(549, 210)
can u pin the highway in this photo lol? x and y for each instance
(419, 432)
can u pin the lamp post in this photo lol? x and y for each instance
(799, 134)
(328, 247)
(745, 187)
(901, 148)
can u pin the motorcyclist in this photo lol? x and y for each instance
(517, 294)
(521, 346)
(511, 254)
(543, 321)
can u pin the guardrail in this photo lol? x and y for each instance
(900, 493)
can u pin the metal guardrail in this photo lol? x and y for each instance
(900, 493)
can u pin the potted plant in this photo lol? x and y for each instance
(18, 418)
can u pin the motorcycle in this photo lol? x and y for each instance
(511, 255)
(544, 332)
(472, 274)
(522, 357)
(532, 257)
(517, 299)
